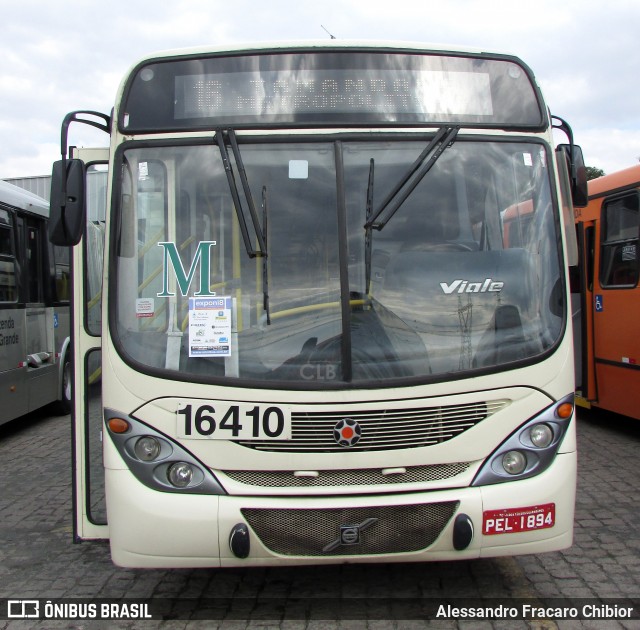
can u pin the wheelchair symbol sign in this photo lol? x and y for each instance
(599, 304)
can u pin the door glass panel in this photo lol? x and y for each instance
(94, 244)
(95, 497)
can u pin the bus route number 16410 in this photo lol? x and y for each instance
(221, 420)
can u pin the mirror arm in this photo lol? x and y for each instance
(564, 126)
(64, 140)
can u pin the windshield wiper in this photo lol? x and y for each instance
(221, 134)
(265, 259)
(368, 241)
(443, 139)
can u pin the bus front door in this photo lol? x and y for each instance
(90, 519)
(583, 314)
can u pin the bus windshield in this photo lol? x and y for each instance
(465, 276)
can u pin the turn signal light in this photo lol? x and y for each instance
(564, 410)
(118, 425)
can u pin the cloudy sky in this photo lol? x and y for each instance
(61, 55)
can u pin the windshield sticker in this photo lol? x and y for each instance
(210, 327)
(629, 252)
(145, 307)
(528, 159)
(143, 171)
(298, 169)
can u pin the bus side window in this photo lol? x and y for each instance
(8, 291)
(34, 261)
(620, 224)
(62, 273)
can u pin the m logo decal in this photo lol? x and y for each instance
(184, 280)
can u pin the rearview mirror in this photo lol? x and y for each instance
(577, 174)
(66, 220)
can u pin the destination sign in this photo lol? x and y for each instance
(329, 88)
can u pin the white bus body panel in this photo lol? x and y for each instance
(195, 529)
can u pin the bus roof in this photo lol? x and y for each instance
(306, 44)
(614, 181)
(23, 199)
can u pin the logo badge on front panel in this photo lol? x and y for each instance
(347, 432)
(350, 534)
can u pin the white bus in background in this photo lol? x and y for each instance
(35, 285)
(335, 310)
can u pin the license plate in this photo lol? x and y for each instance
(223, 420)
(513, 520)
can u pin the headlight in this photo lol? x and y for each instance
(147, 448)
(180, 474)
(157, 460)
(541, 435)
(531, 448)
(514, 462)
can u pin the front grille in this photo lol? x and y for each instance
(382, 429)
(341, 478)
(315, 532)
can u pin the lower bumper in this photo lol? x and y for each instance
(154, 529)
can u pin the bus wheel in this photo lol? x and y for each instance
(63, 406)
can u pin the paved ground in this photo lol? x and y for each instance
(38, 559)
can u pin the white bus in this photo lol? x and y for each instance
(34, 309)
(319, 343)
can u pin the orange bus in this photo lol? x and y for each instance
(606, 295)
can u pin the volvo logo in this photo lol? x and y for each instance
(347, 432)
(350, 534)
